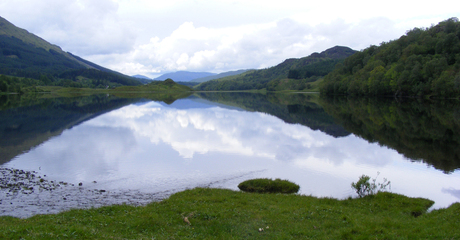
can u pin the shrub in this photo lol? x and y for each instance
(265, 185)
(363, 187)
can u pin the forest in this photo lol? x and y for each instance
(425, 62)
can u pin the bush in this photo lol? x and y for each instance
(265, 185)
(363, 187)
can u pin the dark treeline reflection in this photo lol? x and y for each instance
(27, 121)
(420, 130)
(291, 108)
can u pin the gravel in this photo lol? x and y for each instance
(25, 193)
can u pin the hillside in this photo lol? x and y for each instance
(301, 71)
(184, 76)
(220, 75)
(424, 62)
(26, 55)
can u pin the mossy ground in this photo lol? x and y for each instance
(226, 214)
(265, 185)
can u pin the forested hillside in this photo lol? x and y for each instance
(423, 62)
(298, 72)
(28, 60)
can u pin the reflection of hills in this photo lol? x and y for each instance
(29, 125)
(421, 131)
(291, 108)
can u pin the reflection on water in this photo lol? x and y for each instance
(27, 122)
(421, 131)
(154, 147)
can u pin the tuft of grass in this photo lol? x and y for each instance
(265, 185)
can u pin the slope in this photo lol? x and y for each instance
(423, 63)
(220, 75)
(322, 63)
(26, 55)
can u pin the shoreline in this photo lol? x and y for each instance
(25, 194)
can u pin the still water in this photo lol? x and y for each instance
(152, 147)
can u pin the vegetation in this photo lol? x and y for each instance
(423, 63)
(217, 76)
(226, 214)
(23, 85)
(301, 71)
(421, 130)
(265, 185)
(26, 56)
(364, 188)
(160, 86)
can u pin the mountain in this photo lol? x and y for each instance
(423, 63)
(184, 76)
(141, 77)
(220, 75)
(25, 55)
(302, 70)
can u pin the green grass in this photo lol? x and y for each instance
(265, 185)
(226, 214)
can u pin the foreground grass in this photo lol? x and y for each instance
(226, 214)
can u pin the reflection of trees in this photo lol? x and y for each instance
(291, 108)
(421, 131)
(28, 121)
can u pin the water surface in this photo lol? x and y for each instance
(151, 147)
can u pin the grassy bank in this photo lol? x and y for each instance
(226, 214)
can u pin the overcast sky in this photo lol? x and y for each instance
(152, 37)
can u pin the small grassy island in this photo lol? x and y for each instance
(204, 213)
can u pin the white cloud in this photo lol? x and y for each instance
(152, 37)
(83, 27)
(251, 46)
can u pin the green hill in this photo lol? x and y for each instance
(424, 62)
(300, 71)
(220, 75)
(156, 86)
(25, 55)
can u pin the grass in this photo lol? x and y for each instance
(226, 214)
(265, 185)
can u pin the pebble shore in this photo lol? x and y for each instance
(26, 193)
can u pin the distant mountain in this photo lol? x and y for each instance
(301, 70)
(220, 75)
(23, 54)
(141, 77)
(184, 76)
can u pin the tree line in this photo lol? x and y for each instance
(424, 62)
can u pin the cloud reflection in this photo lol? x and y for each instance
(200, 131)
(159, 148)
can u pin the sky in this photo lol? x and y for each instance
(151, 37)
